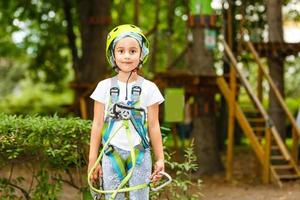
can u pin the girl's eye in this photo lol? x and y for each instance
(120, 51)
(132, 51)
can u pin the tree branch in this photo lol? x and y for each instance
(26, 194)
(66, 181)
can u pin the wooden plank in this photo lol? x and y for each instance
(282, 167)
(259, 129)
(289, 176)
(274, 148)
(277, 157)
(282, 48)
(256, 120)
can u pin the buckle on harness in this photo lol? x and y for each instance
(96, 195)
(136, 89)
(114, 93)
(114, 90)
(135, 93)
(120, 111)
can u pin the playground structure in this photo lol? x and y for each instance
(278, 162)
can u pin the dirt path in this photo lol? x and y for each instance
(217, 188)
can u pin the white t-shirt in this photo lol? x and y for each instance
(150, 95)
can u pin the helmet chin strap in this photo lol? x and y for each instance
(134, 70)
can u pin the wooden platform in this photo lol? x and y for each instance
(277, 48)
(193, 84)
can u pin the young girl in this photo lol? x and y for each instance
(126, 111)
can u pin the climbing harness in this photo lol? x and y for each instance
(96, 193)
(129, 112)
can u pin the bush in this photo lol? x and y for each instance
(52, 142)
(60, 145)
(182, 186)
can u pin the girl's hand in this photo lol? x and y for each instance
(158, 167)
(96, 173)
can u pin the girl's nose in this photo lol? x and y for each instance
(127, 55)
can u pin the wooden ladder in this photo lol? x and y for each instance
(264, 137)
(280, 163)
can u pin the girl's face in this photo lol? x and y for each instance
(127, 54)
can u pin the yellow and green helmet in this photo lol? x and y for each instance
(126, 30)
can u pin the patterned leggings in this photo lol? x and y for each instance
(140, 175)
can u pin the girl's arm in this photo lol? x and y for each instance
(156, 140)
(95, 140)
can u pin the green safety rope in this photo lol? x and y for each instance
(128, 176)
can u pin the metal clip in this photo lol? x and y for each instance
(95, 195)
(155, 189)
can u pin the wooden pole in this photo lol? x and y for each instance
(230, 135)
(259, 85)
(259, 132)
(231, 111)
(295, 145)
(83, 108)
(266, 166)
(229, 25)
(259, 91)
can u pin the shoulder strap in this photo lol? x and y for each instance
(137, 90)
(139, 81)
(114, 90)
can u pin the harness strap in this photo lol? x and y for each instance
(137, 90)
(132, 155)
(138, 125)
(139, 157)
(107, 128)
(121, 166)
(116, 161)
(114, 90)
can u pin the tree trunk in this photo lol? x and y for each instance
(170, 20)
(136, 12)
(275, 61)
(155, 38)
(201, 63)
(94, 17)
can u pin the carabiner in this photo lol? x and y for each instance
(155, 189)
